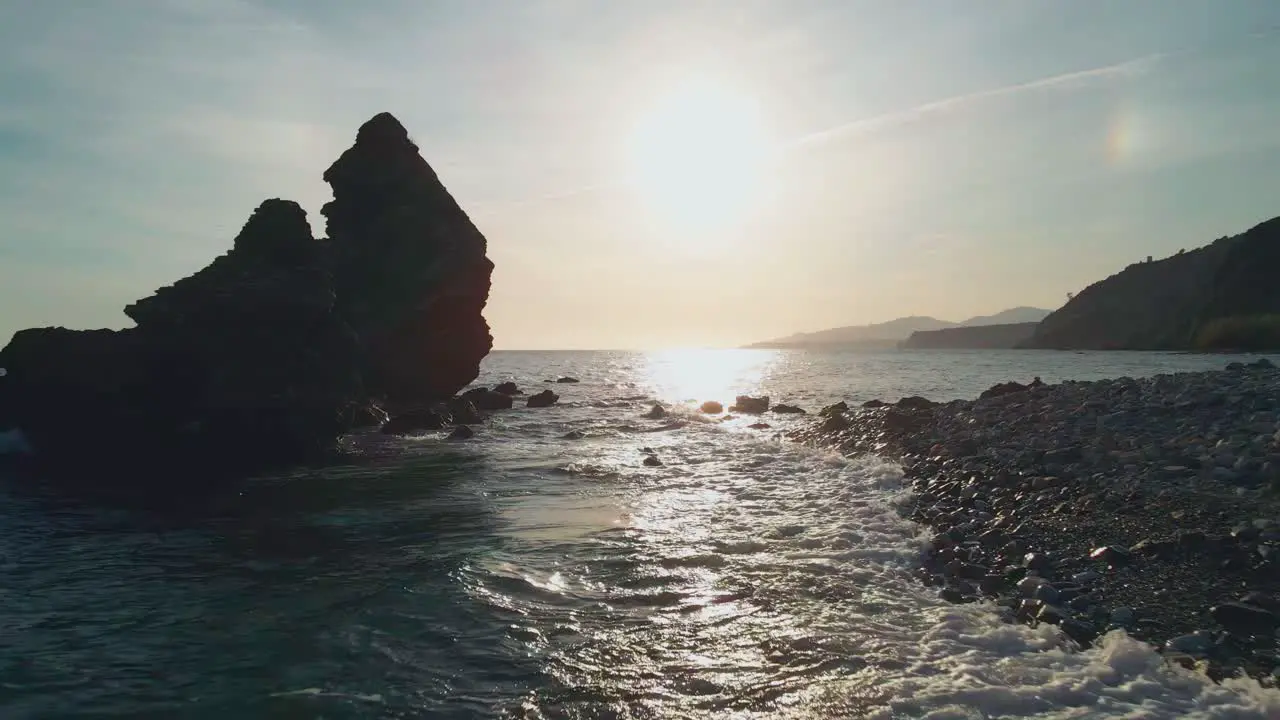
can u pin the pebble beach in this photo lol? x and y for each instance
(1147, 505)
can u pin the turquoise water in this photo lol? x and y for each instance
(522, 574)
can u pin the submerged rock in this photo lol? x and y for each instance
(568, 380)
(462, 432)
(546, 398)
(652, 461)
(785, 409)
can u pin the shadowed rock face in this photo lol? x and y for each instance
(410, 268)
(269, 352)
(245, 357)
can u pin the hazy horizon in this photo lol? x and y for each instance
(648, 174)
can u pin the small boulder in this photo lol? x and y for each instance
(784, 409)
(711, 407)
(462, 432)
(1113, 555)
(1244, 619)
(657, 412)
(508, 388)
(573, 435)
(915, 402)
(568, 380)
(760, 426)
(464, 412)
(1000, 389)
(835, 409)
(874, 403)
(546, 398)
(486, 399)
(652, 461)
(750, 405)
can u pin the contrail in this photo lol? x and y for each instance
(1127, 68)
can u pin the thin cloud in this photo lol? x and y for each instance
(1128, 68)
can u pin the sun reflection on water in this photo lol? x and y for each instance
(698, 375)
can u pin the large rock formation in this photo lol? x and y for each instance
(271, 352)
(1170, 304)
(409, 267)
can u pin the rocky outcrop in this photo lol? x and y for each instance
(279, 346)
(981, 337)
(244, 358)
(410, 269)
(1199, 298)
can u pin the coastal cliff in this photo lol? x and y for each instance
(982, 337)
(271, 351)
(1220, 296)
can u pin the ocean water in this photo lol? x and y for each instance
(523, 574)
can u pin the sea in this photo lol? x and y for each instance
(542, 570)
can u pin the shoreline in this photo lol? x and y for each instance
(1150, 505)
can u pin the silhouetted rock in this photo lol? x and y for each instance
(462, 432)
(874, 403)
(508, 388)
(282, 344)
(464, 412)
(1000, 389)
(750, 405)
(711, 407)
(546, 398)
(410, 270)
(834, 409)
(568, 380)
(486, 399)
(915, 402)
(243, 361)
(785, 409)
(652, 461)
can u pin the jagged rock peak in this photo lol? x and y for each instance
(273, 261)
(383, 128)
(279, 231)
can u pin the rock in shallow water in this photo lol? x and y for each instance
(269, 349)
(546, 398)
(750, 405)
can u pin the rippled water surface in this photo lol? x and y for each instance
(523, 574)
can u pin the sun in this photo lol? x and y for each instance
(698, 156)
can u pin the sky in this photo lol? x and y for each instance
(648, 173)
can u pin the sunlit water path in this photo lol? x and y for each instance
(524, 574)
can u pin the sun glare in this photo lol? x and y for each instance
(698, 156)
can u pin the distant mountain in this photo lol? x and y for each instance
(1012, 316)
(1220, 296)
(889, 334)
